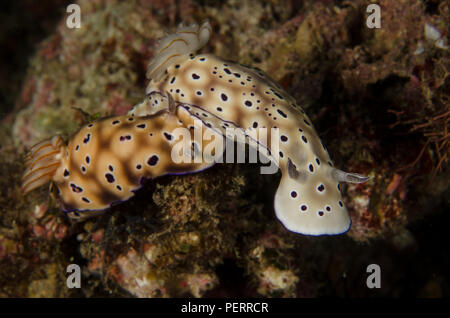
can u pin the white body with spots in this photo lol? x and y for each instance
(225, 94)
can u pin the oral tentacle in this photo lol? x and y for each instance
(349, 177)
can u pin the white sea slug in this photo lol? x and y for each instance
(106, 161)
(308, 199)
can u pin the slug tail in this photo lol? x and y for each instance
(177, 46)
(41, 163)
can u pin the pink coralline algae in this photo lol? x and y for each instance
(47, 226)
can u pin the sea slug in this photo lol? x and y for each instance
(106, 161)
(308, 199)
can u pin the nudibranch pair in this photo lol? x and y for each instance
(106, 161)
